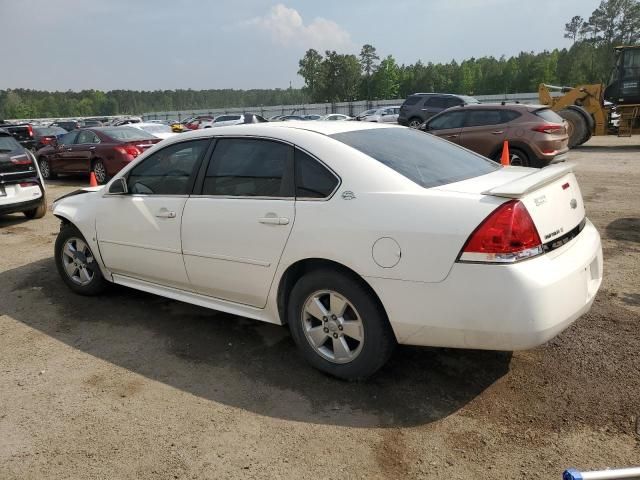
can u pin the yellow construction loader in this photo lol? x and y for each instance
(589, 109)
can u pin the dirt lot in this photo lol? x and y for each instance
(131, 385)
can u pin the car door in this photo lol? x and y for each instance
(447, 125)
(83, 151)
(484, 131)
(63, 155)
(235, 230)
(139, 232)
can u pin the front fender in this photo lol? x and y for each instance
(79, 210)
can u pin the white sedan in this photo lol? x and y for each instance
(156, 129)
(383, 115)
(358, 236)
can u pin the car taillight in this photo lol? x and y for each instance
(30, 130)
(130, 150)
(46, 140)
(21, 160)
(548, 128)
(505, 236)
(28, 184)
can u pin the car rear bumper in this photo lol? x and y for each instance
(19, 199)
(498, 307)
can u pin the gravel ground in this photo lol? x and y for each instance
(130, 385)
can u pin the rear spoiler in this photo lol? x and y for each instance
(523, 185)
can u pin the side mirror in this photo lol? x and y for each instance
(118, 187)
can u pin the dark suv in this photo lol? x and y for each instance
(537, 135)
(419, 107)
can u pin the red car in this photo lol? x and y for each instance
(103, 150)
(194, 123)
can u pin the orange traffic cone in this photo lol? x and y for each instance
(92, 180)
(505, 159)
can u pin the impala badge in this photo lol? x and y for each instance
(573, 203)
(348, 195)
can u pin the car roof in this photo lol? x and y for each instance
(499, 106)
(267, 129)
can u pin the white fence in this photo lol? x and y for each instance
(347, 108)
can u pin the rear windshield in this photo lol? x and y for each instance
(421, 157)
(127, 134)
(8, 144)
(44, 131)
(549, 115)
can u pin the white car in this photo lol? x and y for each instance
(227, 120)
(336, 116)
(357, 235)
(383, 115)
(156, 129)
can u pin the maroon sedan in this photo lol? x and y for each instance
(102, 150)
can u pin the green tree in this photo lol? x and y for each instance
(310, 70)
(386, 79)
(573, 28)
(368, 59)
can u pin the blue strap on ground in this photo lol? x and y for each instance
(571, 474)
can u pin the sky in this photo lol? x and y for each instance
(201, 44)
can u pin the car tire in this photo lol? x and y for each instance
(45, 169)
(352, 320)
(577, 126)
(70, 267)
(38, 212)
(100, 171)
(415, 122)
(518, 158)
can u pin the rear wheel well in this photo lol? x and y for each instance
(296, 270)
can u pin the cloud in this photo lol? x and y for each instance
(286, 27)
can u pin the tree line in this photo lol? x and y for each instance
(332, 76)
(343, 77)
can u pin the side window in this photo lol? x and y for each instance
(168, 171)
(313, 180)
(69, 138)
(436, 102)
(86, 136)
(477, 118)
(412, 100)
(452, 102)
(247, 167)
(447, 120)
(508, 115)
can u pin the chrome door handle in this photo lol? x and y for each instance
(274, 220)
(92, 148)
(166, 214)
(68, 149)
(452, 136)
(497, 132)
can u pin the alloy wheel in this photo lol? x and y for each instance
(78, 261)
(100, 171)
(332, 326)
(44, 168)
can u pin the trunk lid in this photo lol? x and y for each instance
(552, 195)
